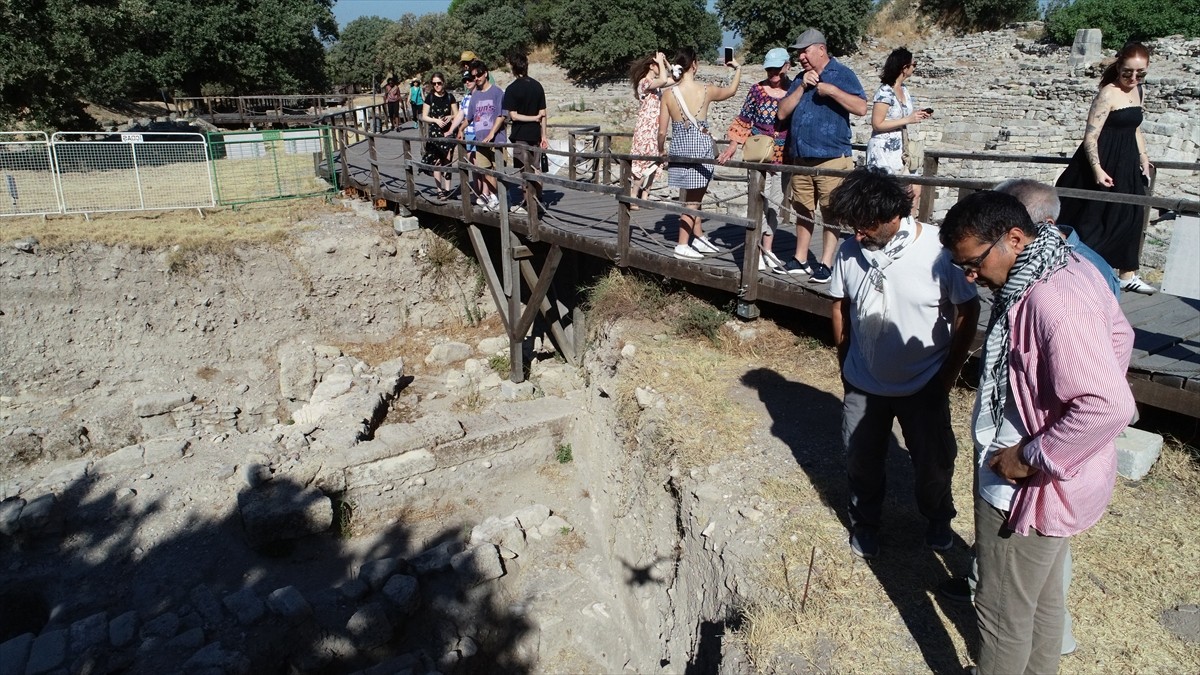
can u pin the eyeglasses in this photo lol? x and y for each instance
(438, 83)
(973, 265)
(1130, 72)
(479, 76)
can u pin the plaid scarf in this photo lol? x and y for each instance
(1045, 254)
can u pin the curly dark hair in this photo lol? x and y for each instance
(985, 215)
(897, 61)
(867, 197)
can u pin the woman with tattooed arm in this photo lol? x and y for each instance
(1112, 158)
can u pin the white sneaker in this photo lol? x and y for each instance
(686, 252)
(1134, 284)
(772, 262)
(518, 210)
(705, 247)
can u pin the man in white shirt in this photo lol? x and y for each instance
(903, 321)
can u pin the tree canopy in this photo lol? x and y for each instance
(417, 44)
(52, 52)
(1122, 20)
(354, 58)
(596, 39)
(764, 24)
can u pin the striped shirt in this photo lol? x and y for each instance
(1069, 352)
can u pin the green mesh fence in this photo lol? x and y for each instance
(255, 166)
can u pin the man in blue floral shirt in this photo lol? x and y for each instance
(819, 105)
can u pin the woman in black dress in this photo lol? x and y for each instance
(1112, 158)
(439, 109)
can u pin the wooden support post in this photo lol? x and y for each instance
(489, 272)
(566, 346)
(607, 175)
(538, 289)
(373, 155)
(506, 262)
(516, 333)
(624, 231)
(928, 192)
(345, 162)
(531, 164)
(572, 172)
(755, 208)
(1146, 213)
(464, 189)
(410, 183)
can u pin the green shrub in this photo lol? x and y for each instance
(1122, 20)
(979, 14)
(700, 319)
(563, 454)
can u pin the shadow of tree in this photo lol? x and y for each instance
(808, 420)
(198, 586)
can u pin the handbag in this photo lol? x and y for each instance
(759, 149)
(912, 152)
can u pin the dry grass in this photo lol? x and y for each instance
(896, 22)
(215, 230)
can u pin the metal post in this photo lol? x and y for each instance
(137, 175)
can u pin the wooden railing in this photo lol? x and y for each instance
(257, 109)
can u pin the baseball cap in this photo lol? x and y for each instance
(470, 56)
(808, 38)
(775, 58)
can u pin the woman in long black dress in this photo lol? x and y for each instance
(1112, 158)
(438, 110)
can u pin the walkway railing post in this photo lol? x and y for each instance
(624, 231)
(572, 172)
(464, 185)
(345, 161)
(607, 149)
(1146, 213)
(531, 163)
(755, 207)
(928, 192)
(374, 158)
(410, 183)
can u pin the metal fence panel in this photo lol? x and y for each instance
(250, 166)
(131, 172)
(27, 180)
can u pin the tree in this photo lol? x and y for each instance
(979, 14)
(764, 24)
(595, 40)
(1122, 20)
(353, 59)
(419, 44)
(499, 25)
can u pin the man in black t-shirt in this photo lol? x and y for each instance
(525, 106)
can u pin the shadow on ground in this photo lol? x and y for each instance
(808, 420)
(100, 553)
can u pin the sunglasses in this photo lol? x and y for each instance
(973, 265)
(1130, 72)
(438, 83)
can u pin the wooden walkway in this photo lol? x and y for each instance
(1164, 371)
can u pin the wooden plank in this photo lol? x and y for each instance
(565, 346)
(489, 272)
(537, 292)
(1174, 399)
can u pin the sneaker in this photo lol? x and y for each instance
(821, 273)
(768, 261)
(1134, 284)
(863, 543)
(939, 536)
(518, 210)
(704, 246)
(794, 266)
(686, 252)
(957, 589)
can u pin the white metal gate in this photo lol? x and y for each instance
(131, 171)
(27, 176)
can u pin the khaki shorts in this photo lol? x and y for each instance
(485, 158)
(808, 191)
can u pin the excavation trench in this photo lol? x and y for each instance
(264, 460)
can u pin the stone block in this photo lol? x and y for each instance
(38, 514)
(245, 605)
(492, 528)
(123, 629)
(158, 403)
(163, 450)
(425, 432)
(14, 653)
(403, 592)
(88, 632)
(1086, 49)
(211, 658)
(289, 603)
(1137, 451)
(493, 345)
(404, 224)
(297, 372)
(188, 640)
(48, 653)
(516, 391)
(376, 572)
(204, 601)
(161, 627)
(554, 525)
(369, 626)
(448, 352)
(127, 458)
(479, 564)
(391, 469)
(437, 558)
(67, 473)
(532, 517)
(353, 589)
(279, 511)
(10, 515)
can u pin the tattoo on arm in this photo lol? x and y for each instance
(1091, 133)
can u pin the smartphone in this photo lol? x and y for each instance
(929, 111)
(728, 55)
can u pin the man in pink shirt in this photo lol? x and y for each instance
(1052, 399)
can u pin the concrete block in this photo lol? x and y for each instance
(1137, 451)
(406, 224)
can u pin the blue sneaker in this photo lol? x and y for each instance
(794, 266)
(863, 543)
(821, 273)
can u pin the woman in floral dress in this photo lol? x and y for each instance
(649, 76)
(892, 111)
